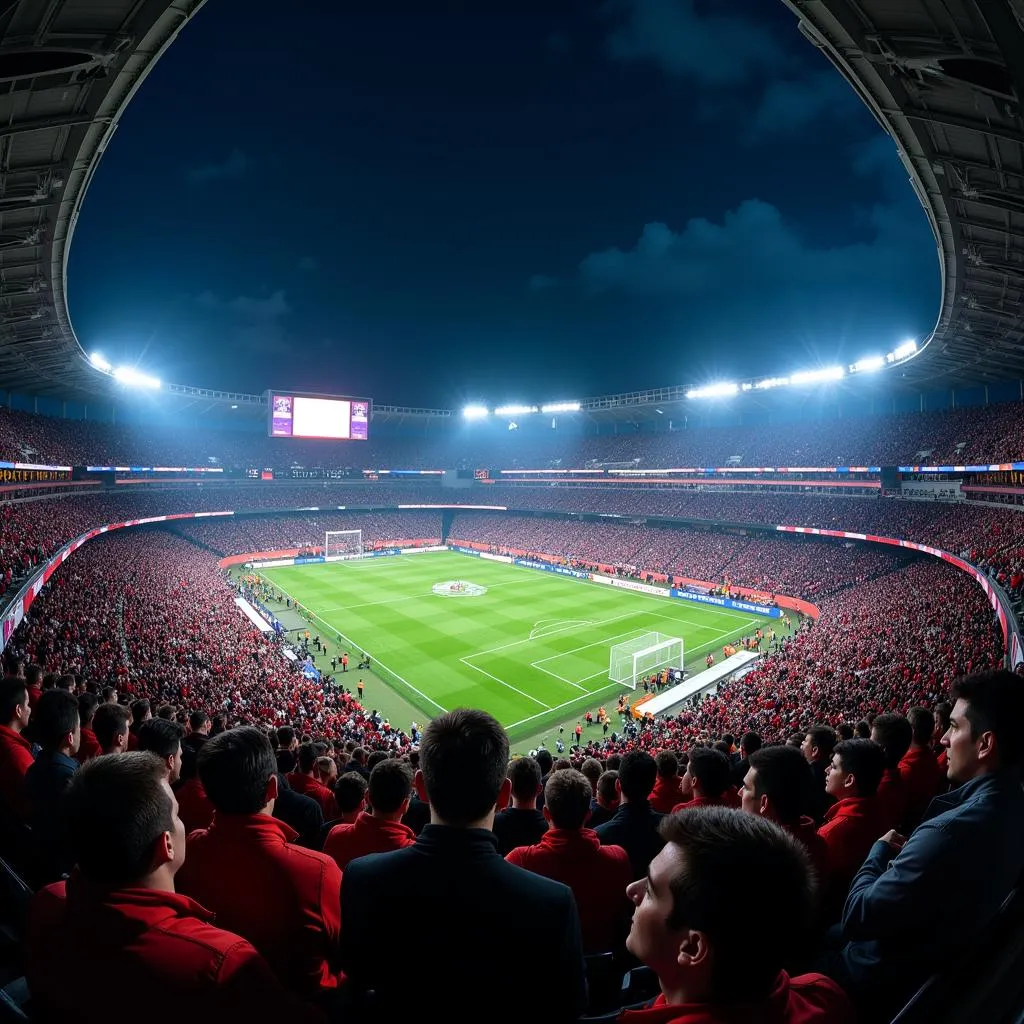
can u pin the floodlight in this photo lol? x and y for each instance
(560, 407)
(868, 365)
(720, 390)
(100, 363)
(826, 373)
(515, 410)
(476, 412)
(134, 378)
(906, 350)
(771, 382)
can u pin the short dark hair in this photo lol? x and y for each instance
(109, 720)
(56, 715)
(567, 796)
(115, 808)
(995, 703)
(824, 738)
(750, 742)
(784, 777)
(865, 760)
(922, 725)
(13, 692)
(140, 708)
(591, 768)
(349, 790)
(197, 720)
(545, 760)
(606, 786)
(33, 674)
(524, 774)
(668, 764)
(87, 704)
(733, 861)
(375, 758)
(161, 737)
(285, 735)
(637, 774)
(234, 768)
(894, 736)
(390, 785)
(66, 682)
(711, 769)
(464, 760)
(306, 758)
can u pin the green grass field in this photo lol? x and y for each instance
(533, 650)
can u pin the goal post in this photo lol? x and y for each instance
(631, 660)
(340, 544)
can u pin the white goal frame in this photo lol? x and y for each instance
(353, 550)
(629, 661)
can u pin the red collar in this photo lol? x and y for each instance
(260, 826)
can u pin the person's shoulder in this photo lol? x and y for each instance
(613, 854)
(391, 862)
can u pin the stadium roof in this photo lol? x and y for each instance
(69, 68)
(944, 79)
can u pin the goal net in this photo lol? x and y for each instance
(646, 655)
(343, 544)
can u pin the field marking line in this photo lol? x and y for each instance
(618, 686)
(401, 679)
(409, 597)
(539, 633)
(596, 643)
(522, 693)
(562, 679)
(527, 639)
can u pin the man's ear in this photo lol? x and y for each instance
(421, 786)
(271, 791)
(693, 949)
(504, 793)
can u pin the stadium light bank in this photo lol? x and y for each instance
(821, 375)
(126, 375)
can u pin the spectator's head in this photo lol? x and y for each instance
(199, 722)
(326, 770)
(375, 758)
(940, 717)
(34, 675)
(306, 758)
(545, 760)
(707, 772)
(350, 794)
(856, 769)
(15, 710)
(122, 822)
(142, 711)
(776, 784)
(749, 744)
(818, 743)
(567, 796)
(239, 772)
(893, 734)
(163, 738)
(717, 863)
(87, 704)
(922, 724)
(56, 724)
(524, 778)
(668, 765)
(591, 768)
(845, 731)
(286, 739)
(862, 731)
(463, 768)
(109, 694)
(608, 790)
(637, 775)
(986, 726)
(390, 788)
(67, 683)
(110, 724)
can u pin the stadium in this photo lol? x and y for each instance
(670, 596)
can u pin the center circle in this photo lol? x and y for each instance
(459, 588)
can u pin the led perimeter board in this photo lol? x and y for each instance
(323, 417)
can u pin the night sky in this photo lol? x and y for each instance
(451, 205)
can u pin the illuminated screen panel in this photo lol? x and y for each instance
(318, 416)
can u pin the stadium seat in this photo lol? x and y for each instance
(604, 982)
(15, 1002)
(15, 895)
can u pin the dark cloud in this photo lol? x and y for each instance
(233, 166)
(789, 105)
(252, 326)
(245, 307)
(542, 282)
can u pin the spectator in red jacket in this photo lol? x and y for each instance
(851, 823)
(572, 854)
(89, 746)
(893, 734)
(283, 898)
(666, 793)
(380, 829)
(707, 778)
(303, 780)
(15, 750)
(118, 915)
(919, 769)
(717, 863)
(775, 787)
(941, 715)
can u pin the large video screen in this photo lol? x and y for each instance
(318, 416)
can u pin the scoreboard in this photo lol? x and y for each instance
(321, 417)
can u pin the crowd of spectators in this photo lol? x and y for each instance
(983, 434)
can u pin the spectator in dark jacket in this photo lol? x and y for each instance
(635, 826)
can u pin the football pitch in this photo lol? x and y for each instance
(532, 648)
